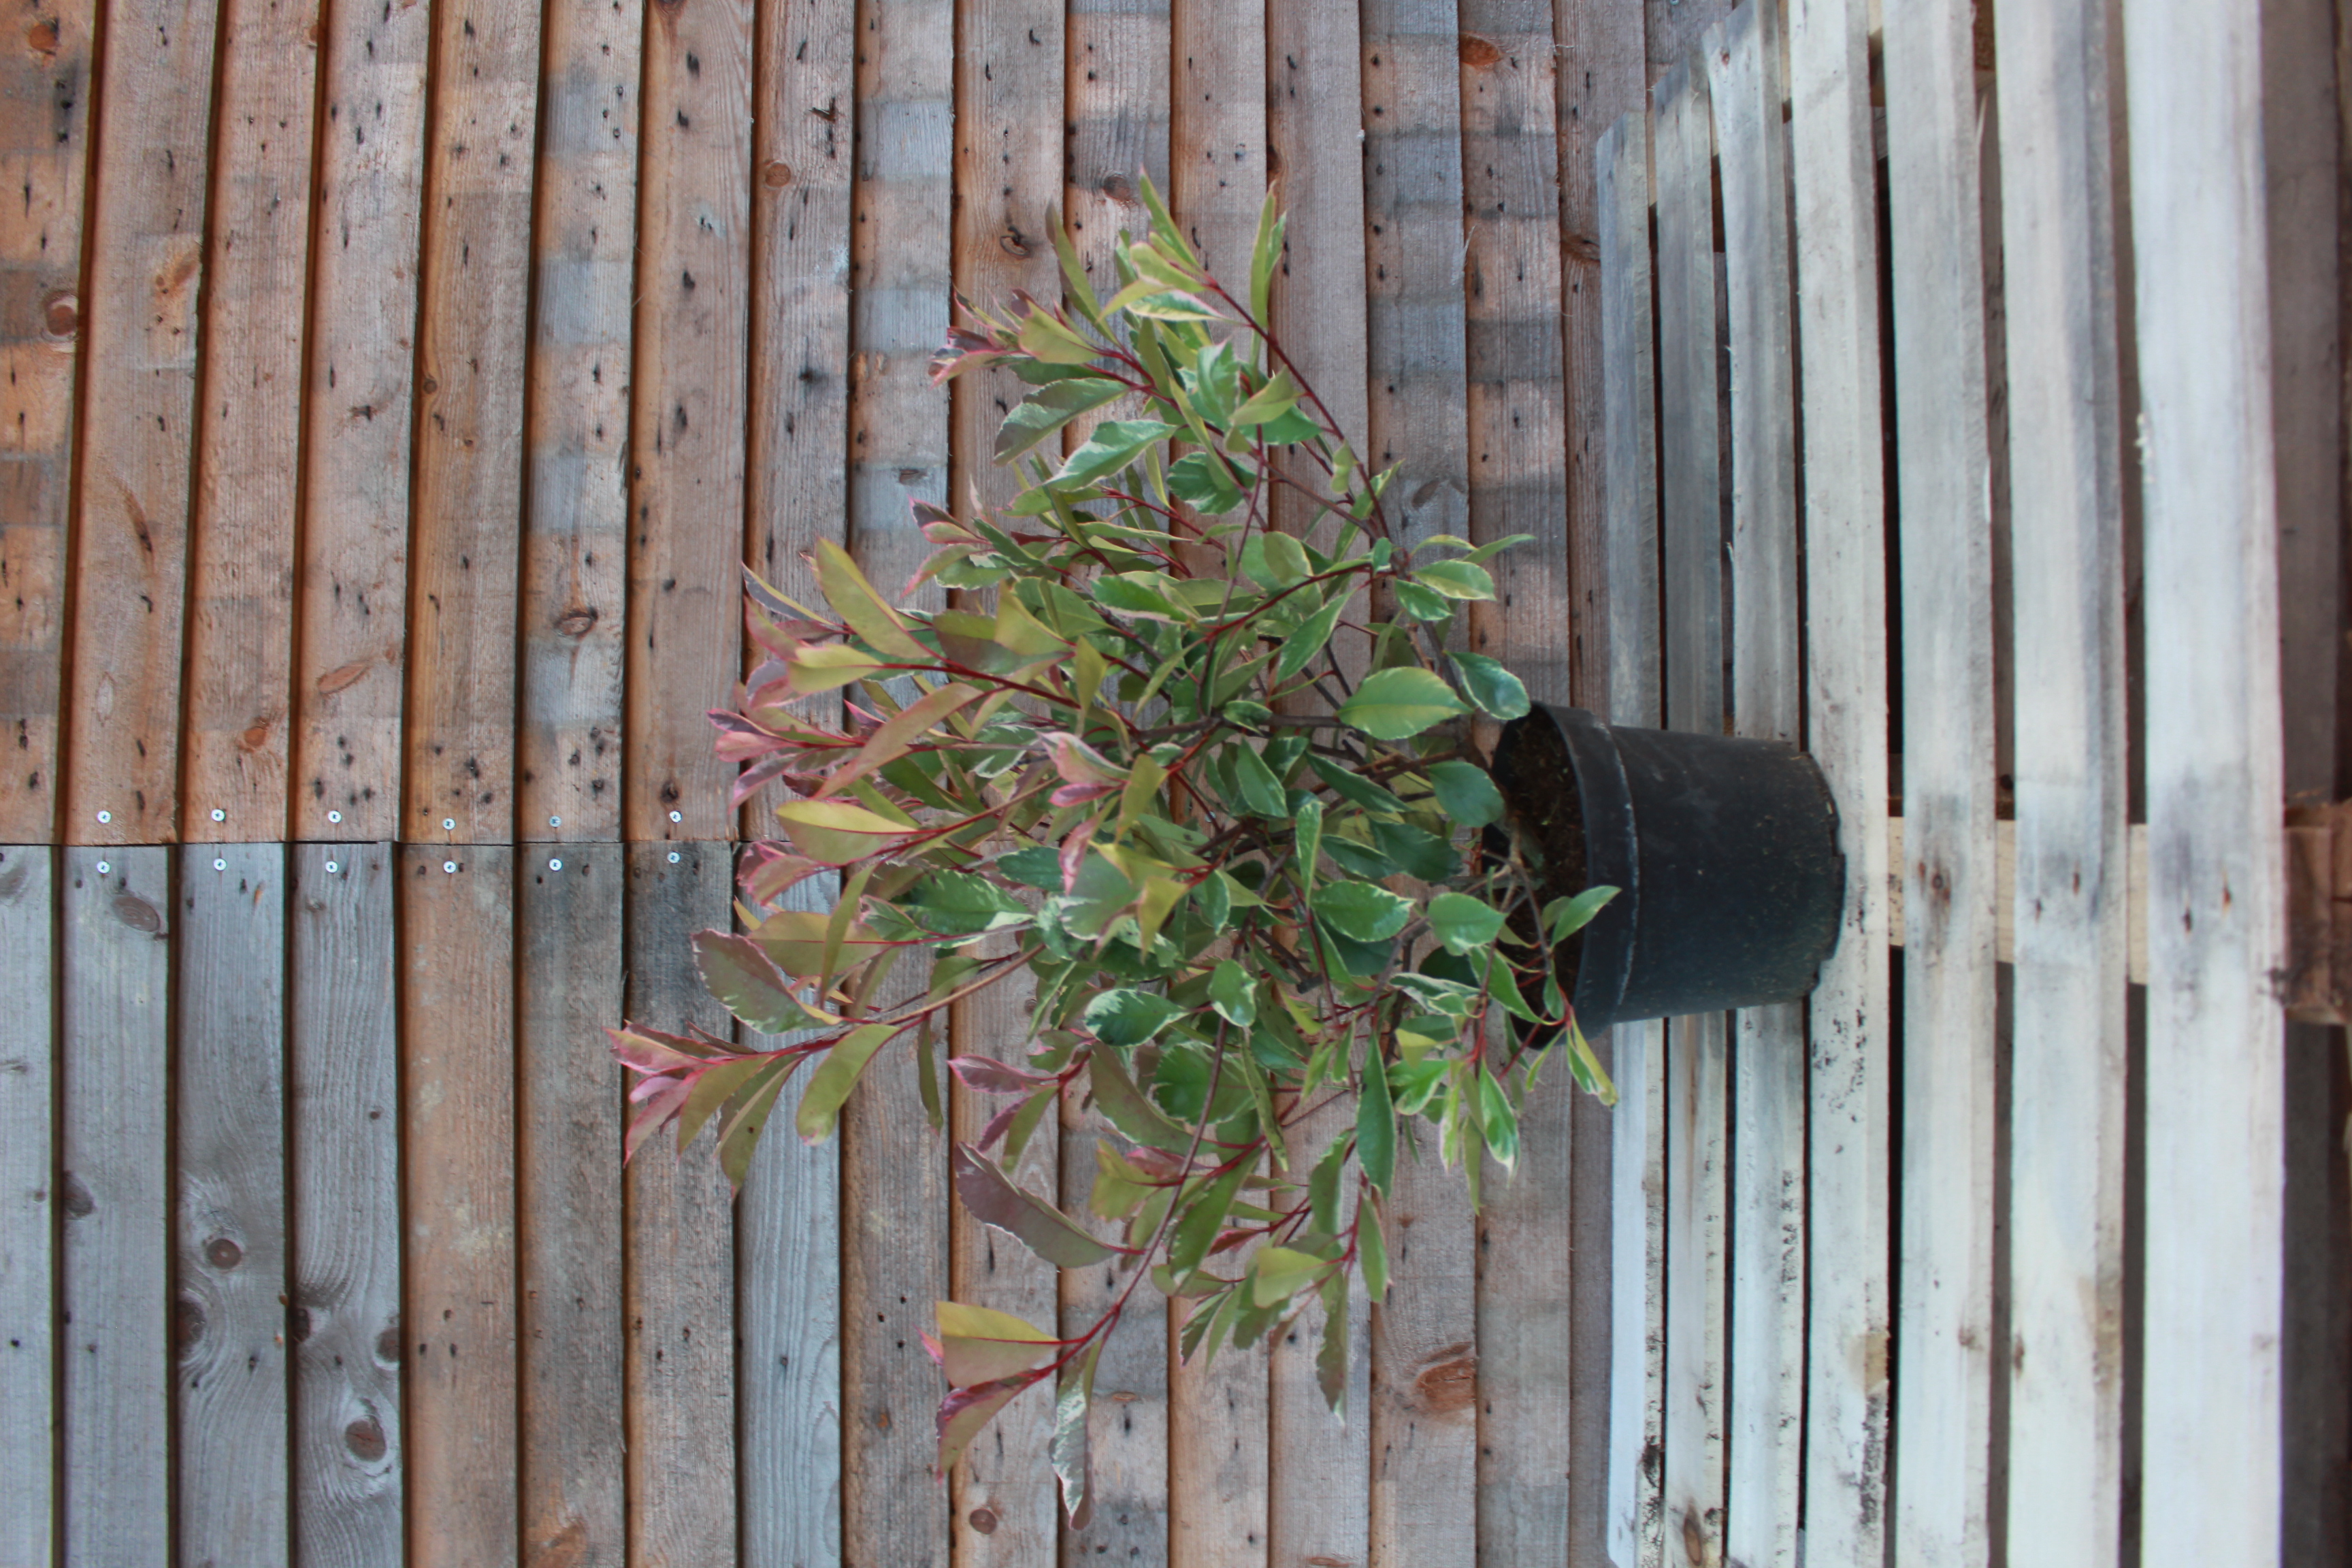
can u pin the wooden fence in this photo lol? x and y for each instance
(393, 389)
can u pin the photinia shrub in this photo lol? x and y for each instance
(1211, 783)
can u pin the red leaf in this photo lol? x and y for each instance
(990, 1077)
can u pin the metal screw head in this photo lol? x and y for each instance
(106, 816)
(332, 867)
(448, 864)
(104, 868)
(678, 816)
(334, 817)
(220, 865)
(555, 821)
(219, 815)
(673, 858)
(447, 823)
(555, 864)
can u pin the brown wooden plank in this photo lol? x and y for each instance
(240, 632)
(468, 513)
(45, 155)
(458, 1174)
(572, 1464)
(687, 455)
(343, 1134)
(229, 1154)
(115, 1394)
(678, 1292)
(1117, 92)
(146, 272)
(28, 1250)
(575, 527)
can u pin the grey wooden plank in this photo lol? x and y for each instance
(2210, 1484)
(573, 1482)
(679, 1278)
(1131, 1393)
(343, 1135)
(116, 1131)
(230, 1157)
(28, 1257)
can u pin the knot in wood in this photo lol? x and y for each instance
(223, 1253)
(365, 1439)
(1479, 53)
(983, 1520)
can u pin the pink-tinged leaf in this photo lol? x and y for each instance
(1072, 1452)
(659, 1109)
(1046, 1231)
(768, 872)
(651, 1051)
(738, 971)
(991, 1077)
(971, 1361)
(1078, 795)
(837, 833)
(1000, 1124)
(896, 734)
(1078, 762)
(825, 667)
(757, 777)
(1074, 853)
(964, 1412)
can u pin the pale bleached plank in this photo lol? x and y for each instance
(351, 668)
(1765, 1438)
(242, 561)
(457, 1208)
(1848, 1155)
(343, 1135)
(2209, 1434)
(113, 1183)
(1943, 1311)
(2066, 585)
(29, 1258)
(46, 155)
(678, 1289)
(573, 1477)
(230, 1260)
(687, 444)
(575, 524)
(788, 1315)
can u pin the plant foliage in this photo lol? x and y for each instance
(1211, 782)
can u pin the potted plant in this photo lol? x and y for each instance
(1217, 787)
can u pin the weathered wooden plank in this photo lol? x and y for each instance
(344, 1134)
(1943, 1316)
(575, 526)
(686, 456)
(1637, 1131)
(679, 1288)
(45, 155)
(1673, 30)
(115, 1393)
(229, 1150)
(1130, 1434)
(571, 1466)
(146, 271)
(1115, 93)
(28, 1253)
(1848, 1157)
(457, 1213)
(350, 668)
(1765, 1439)
(2066, 585)
(2209, 1413)
(240, 647)
(788, 1315)
(1217, 1451)
(471, 375)
(1217, 147)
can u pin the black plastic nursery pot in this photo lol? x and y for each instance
(1726, 852)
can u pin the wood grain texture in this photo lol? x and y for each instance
(350, 661)
(2066, 1133)
(1218, 1451)
(1765, 1437)
(473, 342)
(344, 1091)
(571, 1467)
(130, 537)
(686, 452)
(231, 1253)
(458, 1210)
(45, 151)
(242, 553)
(576, 516)
(1849, 1158)
(679, 1293)
(2211, 1478)
(115, 1389)
(1943, 1317)
(1218, 158)
(1117, 89)
(1130, 1433)
(788, 1311)
(28, 1248)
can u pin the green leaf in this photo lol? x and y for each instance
(1198, 479)
(1420, 603)
(1362, 910)
(1126, 1017)
(738, 971)
(1114, 443)
(1331, 1354)
(1264, 254)
(1586, 1068)
(1124, 1105)
(1269, 402)
(1138, 593)
(1203, 1217)
(1312, 636)
(867, 612)
(1073, 1454)
(962, 903)
(1497, 1119)
(1376, 1124)
(1323, 1187)
(1565, 917)
(1396, 704)
(1291, 426)
(1347, 786)
(1464, 924)
(980, 1344)
(1372, 1251)
(1044, 412)
(1456, 580)
(1040, 865)
(1273, 560)
(1308, 826)
(1278, 1273)
(1465, 793)
(834, 832)
(1232, 994)
(1491, 686)
(1415, 852)
(830, 1085)
(1260, 791)
(1359, 860)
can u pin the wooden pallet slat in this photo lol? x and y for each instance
(572, 1465)
(343, 1143)
(231, 1244)
(2209, 1412)
(457, 1207)
(1833, 172)
(29, 1249)
(46, 155)
(114, 1488)
(242, 549)
(130, 537)
(350, 661)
